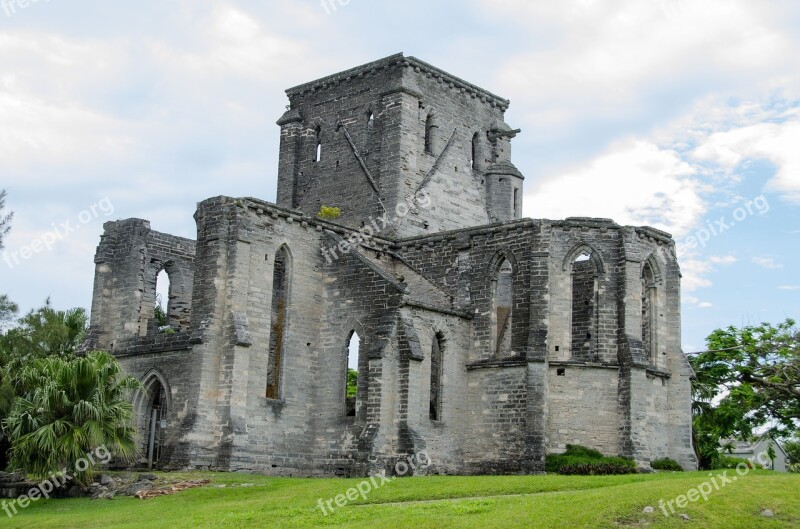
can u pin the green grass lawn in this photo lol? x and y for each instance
(435, 502)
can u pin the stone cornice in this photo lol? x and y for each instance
(401, 60)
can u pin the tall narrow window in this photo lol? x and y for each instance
(161, 310)
(475, 154)
(517, 204)
(430, 133)
(370, 127)
(584, 316)
(351, 375)
(437, 366)
(503, 312)
(648, 313)
(318, 151)
(280, 295)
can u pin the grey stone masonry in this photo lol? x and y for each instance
(486, 339)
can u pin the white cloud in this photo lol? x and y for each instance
(46, 119)
(234, 42)
(767, 262)
(789, 287)
(695, 272)
(705, 305)
(778, 143)
(603, 57)
(722, 259)
(635, 183)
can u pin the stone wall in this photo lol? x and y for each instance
(128, 260)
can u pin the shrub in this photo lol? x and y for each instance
(666, 464)
(576, 455)
(724, 462)
(329, 213)
(596, 469)
(583, 451)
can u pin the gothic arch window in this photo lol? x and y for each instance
(502, 307)
(649, 309)
(167, 298)
(370, 127)
(162, 308)
(475, 152)
(281, 287)
(584, 272)
(352, 373)
(437, 368)
(318, 140)
(430, 133)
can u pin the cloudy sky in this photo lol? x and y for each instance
(684, 115)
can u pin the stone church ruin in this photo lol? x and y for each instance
(481, 337)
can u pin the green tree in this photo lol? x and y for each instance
(749, 379)
(8, 309)
(68, 408)
(5, 218)
(792, 449)
(44, 332)
(41, 333)
(352, 382)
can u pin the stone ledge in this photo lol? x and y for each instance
(153, 344)
(497, 364)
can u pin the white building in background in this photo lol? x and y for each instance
(750, 450)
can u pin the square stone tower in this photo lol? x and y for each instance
(370, 140)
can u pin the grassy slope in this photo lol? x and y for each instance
(437, 502)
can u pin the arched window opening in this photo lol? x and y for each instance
(430, 133)
(584, 314)
(352, 374)
(437, 366)
(369, 129)
(318, 151)
(280, 294)
(648, 313)
(503, 312)
(155, 417)
(161, 310)
(475, 154)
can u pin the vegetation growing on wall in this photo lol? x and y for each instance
(329, 212)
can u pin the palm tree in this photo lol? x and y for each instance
(68, 408)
